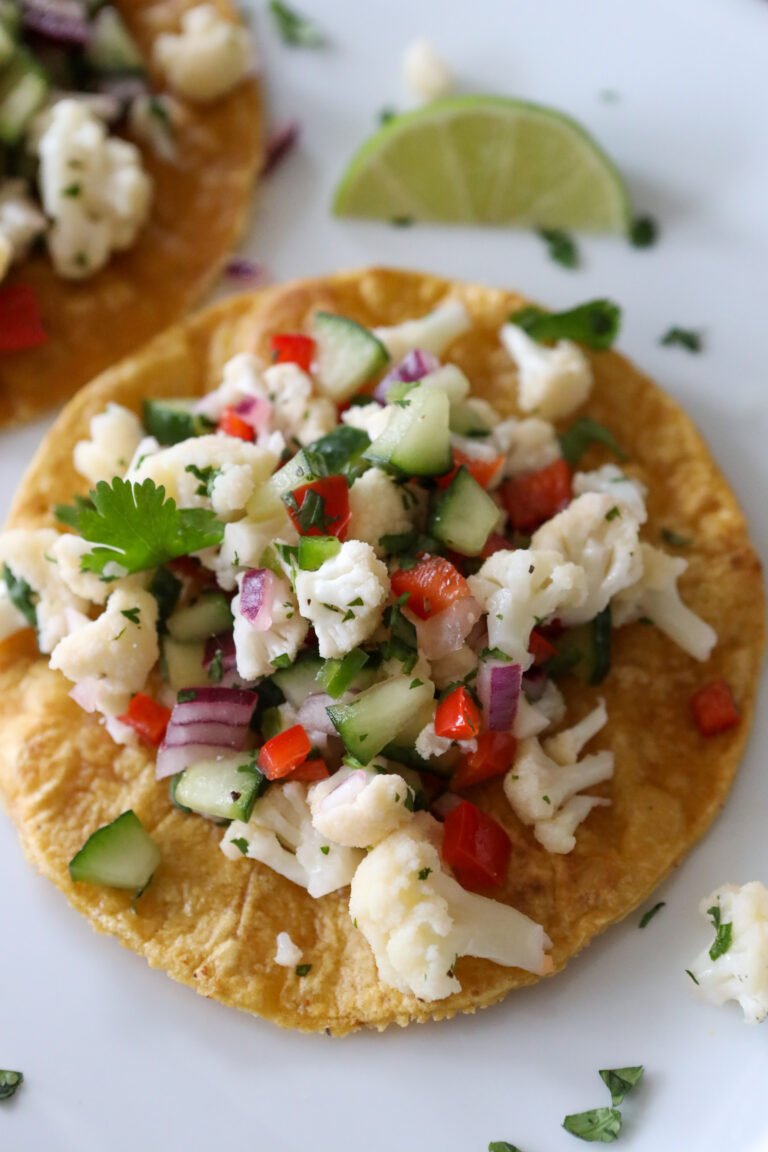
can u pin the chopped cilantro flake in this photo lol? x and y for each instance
(562, 247)
(241, 843)
(424, 873)
(613, 513)
(723, 934)
(294, 28)
(687, 338)
(675, 539)
(303, 969)
(10, 1082)
(595, 323)
(620, 1081)
(131, 614)
(325, 849)
(644, 232)
(601, 1125)
(648, 916)
(689, 973)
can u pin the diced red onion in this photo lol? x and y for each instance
(279, 144)
(223, 643)
(445, 804)
(346, 792)
(498, 687)
(257, 593)
(313, 715)
(447, 630)
(176, 757)
(412, 367)
(247, 272)
(216, 721)
(212, 733)
(217, 703)
(61, 20)
(255, 410)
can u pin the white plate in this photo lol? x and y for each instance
(116, 1055)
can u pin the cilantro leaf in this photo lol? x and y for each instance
(502, 1146)
(402, 644)
(620, 1081)
(723, 934)
(136, 527)
(583, 432)
(21, 595)
(166, 589)
(595, 323)
(644, 232)
(310, 513)
(241, 843)
(599, 1125)
(689, 973)
(675, 539)
(9, 1083)
(646, 919)
(207, 477)
(683, 338)
(302, 969)
(294, 28)
(562, 247)
(132, 614)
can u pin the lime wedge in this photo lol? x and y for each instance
(485, 160)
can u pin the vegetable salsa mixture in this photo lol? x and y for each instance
(340, 596)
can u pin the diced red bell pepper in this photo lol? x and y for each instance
(534, 497)
(475, 847)
(483, 471)
(20, 323)
(147, 718)
(495, 543)
(540, 648)
(293, 348)
(494, 755)
(310, 770)
(333, 514)
(233, 425)
(457, 716)
(284, 752)
(433, 584)
(713, 708)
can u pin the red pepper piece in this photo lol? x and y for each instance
(540, 648)
(147, 718)
(333, 513)
(713, 708)
(532, 498)
(475, 847)
(233, 425)
(20, 323)
(284, 752)
(483, 471)
(494, 755)
(457, 716)
(433, 584)
(293, 348)
(315, 769)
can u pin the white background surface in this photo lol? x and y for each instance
(117, 1056)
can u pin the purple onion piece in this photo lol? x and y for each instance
(498, 687)
(217, 694)
(415, 366)
(256, 596)
(224, 643)
(173, 758)
(279, 144)
(313, 715)
(209, 733)
(61, 20)
(255, 410)
(246, 271)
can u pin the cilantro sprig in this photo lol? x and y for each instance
(136, 527)
(595, 323)
(294, 28)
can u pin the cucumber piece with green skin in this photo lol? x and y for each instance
(467, 421)
(448, 379)
(119, 855)
(183, 664)
(7, 45)
(374, 718)
(173, 784)
(464, 515)
(225, 789)
(210, 615)
(417, 441)
(346, 354)
(584, 650)
(111, 47)
(10, 17)
(171, 421)
(337, 676)
(298, 681)
(23, 90)
(335, 454)
(315, 550)
(271, 723)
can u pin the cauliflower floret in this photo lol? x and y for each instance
(209, 56)
(741, 971)
(431, 333)
(281, 835)
(330, 597)
(656, 596)
(115, 436)
(296, 410)
(565, 747)
(528, 445)
(241, 380)
(520, 588)
(600, 534)
(359, 807)
(119, 648)
(425, 72)
(93, 188)
(611, 481)
(68, 551)
(454, 667)
(540, 790)
(28, 555)
(369, 418)
(221, 472)
(288, 954)
(552, 382)
(418, 920)
(244, 544)
(379, 507)
(21, 222)
(256, 650)
(531, 719)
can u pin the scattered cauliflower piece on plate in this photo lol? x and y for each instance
(426, 74)
(735, 967)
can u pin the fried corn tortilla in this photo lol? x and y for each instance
(212, 923)
(198, 211)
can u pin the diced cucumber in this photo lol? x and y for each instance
(10, 17)
(336, 676)
(207, 617)
(315, 550)
(171, 421)
(584, 650)
(23, 89)
(417, 440)
(331, 455)
(300, 680)
(173, 784)
(464, 515)
(346, 354)
(7, 45)
(374, 718)
(119, 855)
(271, 723)
(448, 379)
(183, 664)
(226, 788)
(111, 47)
(467, 421)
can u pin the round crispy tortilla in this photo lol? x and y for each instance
(212, 923)
(199, 209)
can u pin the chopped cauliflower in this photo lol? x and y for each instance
(281, 835)
(369, 418)
(154, 120)
(21, 222)
(534, 718)
(28, 555)
(221, 472)
(611, 481)
(600, 534)
(358, 807)
(119, 648)
(93, 188)
(431, 333)
(209, 56)
(344, 598)
(241, 380)
(527, 445)
(296, 411)
(379, 507)
(147, 446)
(115, 435)
(566, 747)
(288, 954)
(256, 650)
(426, 74)
(418, 920)
(656, 596)
(542, 791)
(244, 544)
(552, 382)
(740, 972)
(520, 588)
(68, 552)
